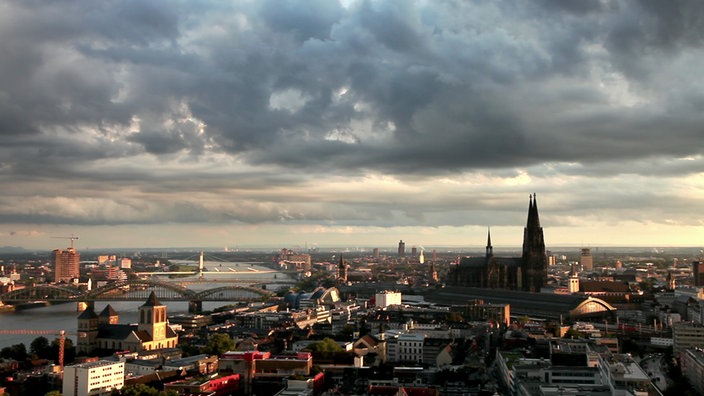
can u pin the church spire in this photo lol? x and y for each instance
(534, 257)
(342, 270)
(489, 248)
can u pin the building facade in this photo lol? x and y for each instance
(586, 261)
(527, 273)
(94, 378)
(103, 331)
(387, 298)
(698, 273)
(66, 264)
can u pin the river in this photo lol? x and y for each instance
(63, 316)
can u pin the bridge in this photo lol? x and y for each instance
(135, 290)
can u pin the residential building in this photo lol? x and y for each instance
(66, 264)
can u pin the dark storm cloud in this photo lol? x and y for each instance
(290, 91)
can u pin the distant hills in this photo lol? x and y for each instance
(13, 249)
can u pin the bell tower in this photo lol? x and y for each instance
(152, 318)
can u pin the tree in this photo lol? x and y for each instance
(142, 390)
(17, 352)
(54, 393)
(40, 347)
(327, 345)
(218, 344)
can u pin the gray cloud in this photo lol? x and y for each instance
(245, 98)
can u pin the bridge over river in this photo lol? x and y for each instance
(136, 290)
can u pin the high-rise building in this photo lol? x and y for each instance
(401, 249)
(66, 264)
(375, 253)
(414, 251)
(698, 273)
(586, 260)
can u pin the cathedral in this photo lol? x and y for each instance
(526, 273)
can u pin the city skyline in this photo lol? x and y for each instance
(323, 123)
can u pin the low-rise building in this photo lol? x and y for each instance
(686, 335)
(94, 378)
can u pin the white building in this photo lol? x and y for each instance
(405, 348)
(94, 378)
(387, 298)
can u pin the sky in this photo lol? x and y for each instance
(356, 123)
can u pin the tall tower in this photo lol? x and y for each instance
(401, 249)
(108, 316)
(152, 318)
(433, 272)
(698, 273)
(586, 260)
(671, 281)
(573, 286)
(489, 248)
(534, 259)
(88, 326)
(342, 270)
(66, 264)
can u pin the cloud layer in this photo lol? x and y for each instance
(376, 115)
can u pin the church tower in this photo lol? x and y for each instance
(152, 318)
(87, 331)
(671, 282)
(534, 259)
(342, 271)
(489, 248)
(108, 316)
(573, 286)
(433, 272)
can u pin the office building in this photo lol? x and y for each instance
(94, 378)
(387, 298)
(401, 249)
(686, 335)
(586, 260)
(698, 273)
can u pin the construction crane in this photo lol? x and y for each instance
(60, 333)
(72, 238)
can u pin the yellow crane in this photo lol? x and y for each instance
(72, 238)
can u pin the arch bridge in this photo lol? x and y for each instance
(134, 290)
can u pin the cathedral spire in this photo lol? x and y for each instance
(534, 257)
(489, 248)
